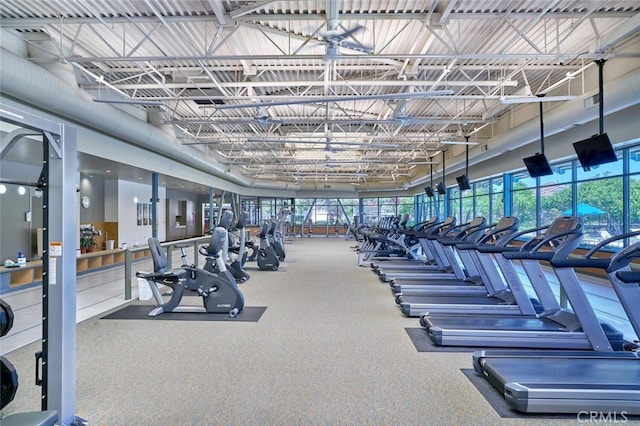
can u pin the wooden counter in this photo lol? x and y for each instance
(31, 274)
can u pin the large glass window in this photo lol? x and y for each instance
(634, 189)
(406, 206)
(482, 199)
(524, 199)
(370, 214)
(454, 204)
(556, 193)
(497, 199)
(388, 206)
(267, 208)
(600, 202)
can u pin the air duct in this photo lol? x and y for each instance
(30, 83)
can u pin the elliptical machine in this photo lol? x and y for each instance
(235, 267)
(239, 251)
(267, 258)
(219, 292)
(275, 240)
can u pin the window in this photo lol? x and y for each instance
(482, 199)
(497, 199)
(600, 202)
(524, 200)
(556, 193)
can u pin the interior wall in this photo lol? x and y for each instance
(129, 231)
(92, 187)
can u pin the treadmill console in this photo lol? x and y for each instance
(507, 222)
(564, 224)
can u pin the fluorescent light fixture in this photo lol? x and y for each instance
(458, 143)
(533, 99)
(129, 102)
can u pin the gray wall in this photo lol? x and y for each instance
(92, 187)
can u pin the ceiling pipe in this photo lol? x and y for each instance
(33, 84)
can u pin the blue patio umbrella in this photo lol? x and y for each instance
(584, 209)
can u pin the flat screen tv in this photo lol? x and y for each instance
(537, 165)
(440, 187)
(594, 151)
(429, 191)
(463, 182)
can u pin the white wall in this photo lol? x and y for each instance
(128, 229)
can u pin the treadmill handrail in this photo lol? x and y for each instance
(546, 240)
(529, 252)
(462, 235)
(628, 277)
(486, 237)
(520, 233)
(609, 264)
(469, 240)
(432, 232)
(609, 240)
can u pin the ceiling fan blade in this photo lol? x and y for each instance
(321, 100)
(357, 46)
(339, 37)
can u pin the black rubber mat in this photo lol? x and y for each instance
(423, 343)
(141, 312)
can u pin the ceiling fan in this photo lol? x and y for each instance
(334, 41)
(264, 119)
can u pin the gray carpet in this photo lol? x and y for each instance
(140, 312)
(423, 343)
(331, 350)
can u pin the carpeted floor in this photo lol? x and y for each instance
(331, 349)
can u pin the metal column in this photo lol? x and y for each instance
(154, 205)
(59, 261)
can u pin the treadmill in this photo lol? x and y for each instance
(511, 301)
(378, 238)
(555, 327)
(449, 266)
(575, 381)
(435, 261)
(414, 252)
(489, 280)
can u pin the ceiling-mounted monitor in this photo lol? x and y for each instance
(537, 165)
(594, 151)
(429, 191)
(440, 188)
(463, 182)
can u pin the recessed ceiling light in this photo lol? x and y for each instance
(108, 171)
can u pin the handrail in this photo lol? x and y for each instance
(196, 241)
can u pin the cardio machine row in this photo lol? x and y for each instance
(216, 282)
(467, 285)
